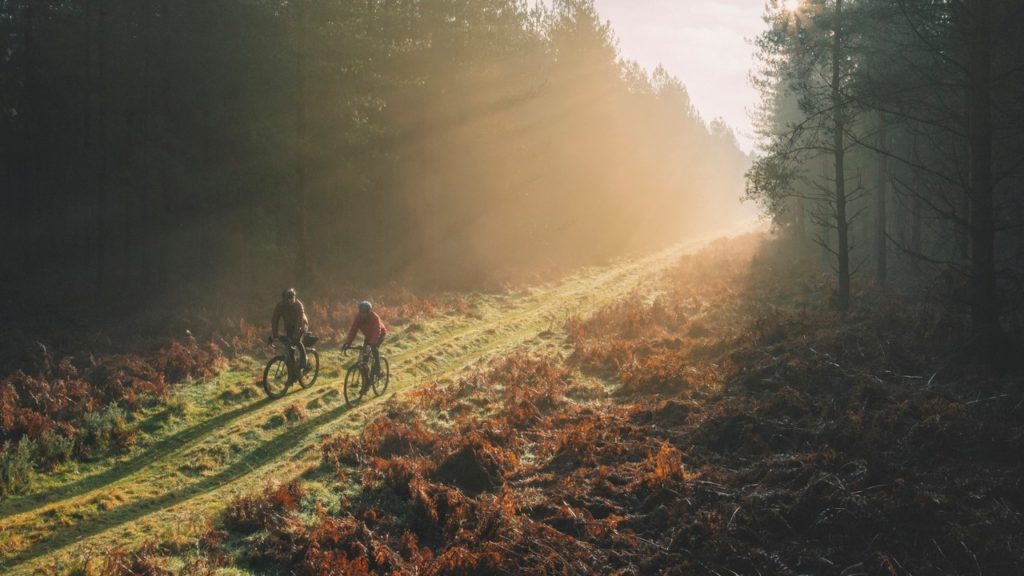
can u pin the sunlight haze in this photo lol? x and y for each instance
(704, 44)
(475, 287)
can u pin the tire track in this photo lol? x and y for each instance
(158, 497)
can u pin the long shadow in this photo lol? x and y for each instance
(146, 457)
(255, 459)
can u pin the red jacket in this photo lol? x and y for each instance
(370, 325)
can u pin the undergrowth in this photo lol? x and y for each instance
(67, 403)
(752, 431)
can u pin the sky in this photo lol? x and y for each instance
(704, 43)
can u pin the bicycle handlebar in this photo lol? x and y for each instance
(360, 348)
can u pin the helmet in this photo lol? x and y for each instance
(289, 293)
(365, 306)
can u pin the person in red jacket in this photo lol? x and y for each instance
(369, 323)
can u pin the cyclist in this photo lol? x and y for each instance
(290, 310)
(369, 323)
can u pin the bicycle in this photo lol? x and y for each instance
(281, 371)
(360, 376)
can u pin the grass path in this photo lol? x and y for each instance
(167, 488)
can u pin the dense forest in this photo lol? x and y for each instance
(893, 137)
(152, 146)
(584, 371)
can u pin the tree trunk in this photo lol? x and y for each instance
(301, 256)
(129, 203)
(801, 220)
(146, 226)
(101, 156)
(916, 245)
(961, 232)
(987, 332)
(87, 116)
(880, 203)
(208, 190)
(29, 175)
(44, 197)
(842, 225)
(826, 231)
(164, 211)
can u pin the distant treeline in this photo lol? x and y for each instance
(892, 134)
(149, 145)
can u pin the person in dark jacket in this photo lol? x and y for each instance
(373, 329)
(290, 311)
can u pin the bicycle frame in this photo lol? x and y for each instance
(365, 353)
(285, 350)
(362, 375)
(286, 357)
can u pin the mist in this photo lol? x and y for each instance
(168, 148)
(451, 287)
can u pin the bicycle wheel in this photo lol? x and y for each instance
(309, 374)
(276, 379)
(353, 383)
(380, 383)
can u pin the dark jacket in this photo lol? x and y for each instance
(294, 316)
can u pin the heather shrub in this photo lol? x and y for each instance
(54, 449)
(106, 430)
(294, 412)
(16, 466)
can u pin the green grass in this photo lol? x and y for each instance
(222, 437)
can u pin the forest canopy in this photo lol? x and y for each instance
(892, 135)
(155, 144)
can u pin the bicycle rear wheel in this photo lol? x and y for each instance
(276, 379)
(381, 381)
(309, 375)
(353, 384)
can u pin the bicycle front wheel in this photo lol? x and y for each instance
(309, 374)
(381, 381)
(276, 379)
(353, 384)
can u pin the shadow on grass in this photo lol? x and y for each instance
(265, 453)
(252, 461)
(146, 457)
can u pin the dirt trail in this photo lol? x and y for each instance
(170, 487)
